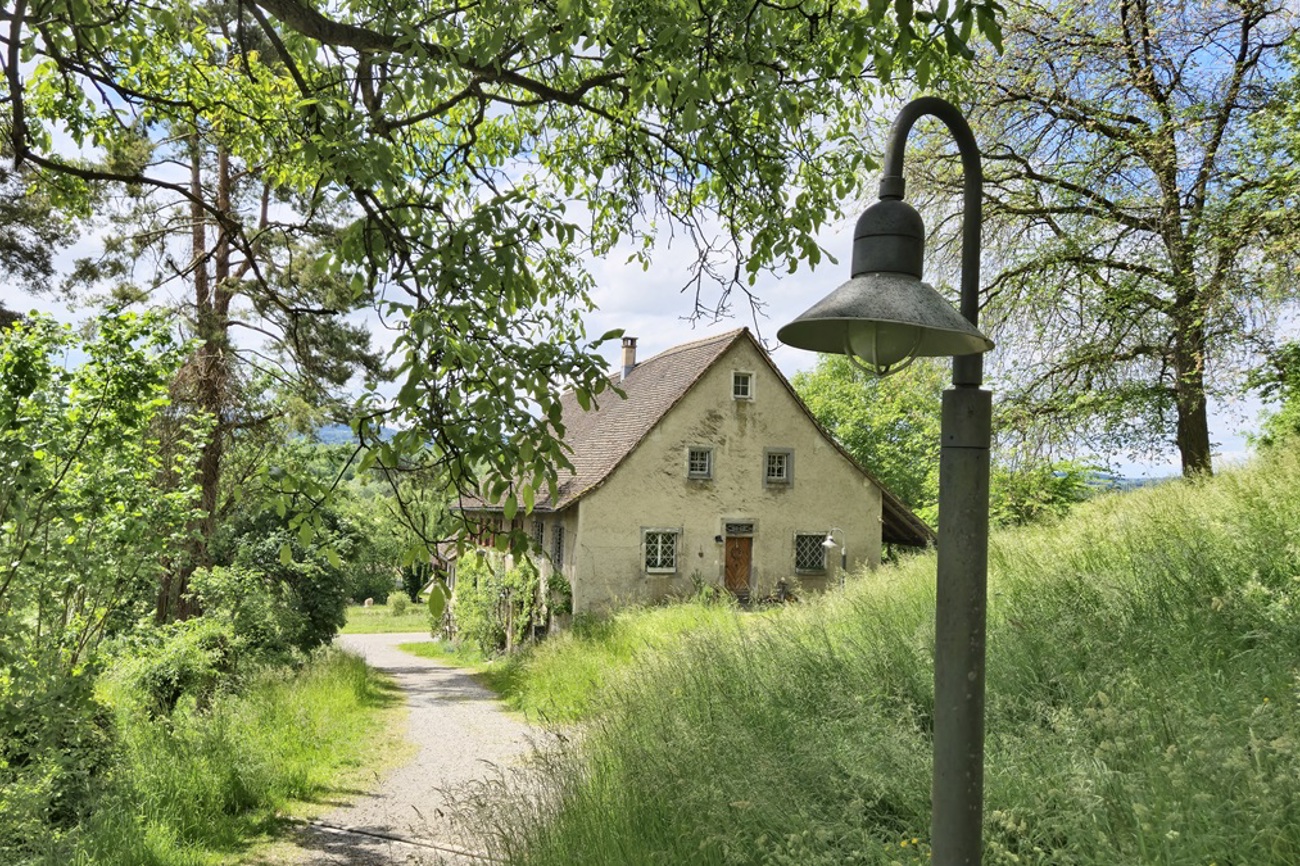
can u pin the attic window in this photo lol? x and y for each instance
(778, 466)
(742, 386)
(699, 463)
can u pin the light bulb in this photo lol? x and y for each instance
(882, 348)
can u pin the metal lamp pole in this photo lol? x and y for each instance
(957, 792)
(882, 318)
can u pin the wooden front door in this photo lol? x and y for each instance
(739, 549)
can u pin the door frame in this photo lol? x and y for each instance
(738, 528)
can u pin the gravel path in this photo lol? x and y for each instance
(463, 736)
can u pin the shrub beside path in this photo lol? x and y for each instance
(463, 736)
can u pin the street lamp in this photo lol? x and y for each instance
(829, 544)
(882, 319)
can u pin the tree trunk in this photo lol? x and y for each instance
(1193, 434)
(210, 368)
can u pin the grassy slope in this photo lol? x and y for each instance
(1142, 708)
(564, 679)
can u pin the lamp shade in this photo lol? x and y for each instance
(892, 315)
(885, 315)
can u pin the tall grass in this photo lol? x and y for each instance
(1142, 707)
(198, 787)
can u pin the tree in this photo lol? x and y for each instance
(273, 287)
(1278, 381)
(483, 152)
(890, 425)
(1132, 235)
(29, 230)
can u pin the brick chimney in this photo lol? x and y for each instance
(629, 356)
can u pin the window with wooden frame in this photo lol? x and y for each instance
(742, 385)
(699, 463)
(778, 466)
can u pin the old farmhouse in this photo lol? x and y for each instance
(711, 472)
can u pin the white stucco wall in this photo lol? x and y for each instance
(651, 490)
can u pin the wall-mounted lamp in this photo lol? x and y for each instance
(829, 544)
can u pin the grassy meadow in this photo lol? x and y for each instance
(1143, 705)
(385, 619)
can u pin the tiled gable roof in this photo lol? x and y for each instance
(602, 437)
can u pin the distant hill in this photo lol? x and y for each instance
(341, 434)
(1107, 481)
(336, 434)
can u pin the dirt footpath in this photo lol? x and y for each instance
(463, 736)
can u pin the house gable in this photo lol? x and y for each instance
(742, 435)
(651, 494)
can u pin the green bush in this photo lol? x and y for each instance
(1045, 491)
(397, 604)
(184, 659)
(56, 747)
(303, 582)
(497, 600)
(86, 533)
(260, 613)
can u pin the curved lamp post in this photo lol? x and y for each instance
(883, 318)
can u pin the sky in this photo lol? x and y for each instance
(649, 305)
